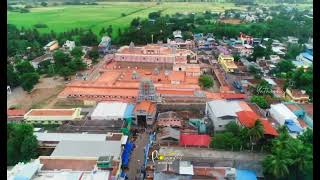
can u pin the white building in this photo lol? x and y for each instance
(222, 112)
(112, 111)
(281, 113)
(69, 45)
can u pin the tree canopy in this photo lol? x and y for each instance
(205, 81)
(22, 145)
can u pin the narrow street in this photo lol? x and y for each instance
(137, 156)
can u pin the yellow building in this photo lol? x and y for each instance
(52, 116)
(51, 46)
(227, 63)
(296, 95)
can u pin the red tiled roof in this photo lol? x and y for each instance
(177, 76)
(146, 106)
(194, 140)
(248, 118)
(268, 129)
(51, 112)
(233, 96)
(16, 112)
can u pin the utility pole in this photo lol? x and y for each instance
(152, 38)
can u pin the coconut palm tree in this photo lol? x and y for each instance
(256, 132)
(277, 164)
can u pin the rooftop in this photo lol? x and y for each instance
(57, 137)
(16, 112)
(146, 106)
(84, 149)
(51, 112)
(194, 140)
(224, 108)
(109, 110)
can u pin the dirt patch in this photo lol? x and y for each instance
(44, 92)
(231, 21)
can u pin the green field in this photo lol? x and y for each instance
(62, 18)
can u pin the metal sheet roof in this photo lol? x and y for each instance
(88, 148)
(222, 108)
(41, 136)
(109, 110)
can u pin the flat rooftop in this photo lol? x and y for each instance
(88, 149)
(41, 136)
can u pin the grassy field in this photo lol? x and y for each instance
(62, 18)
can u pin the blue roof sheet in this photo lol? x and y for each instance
(293, 128)
(129, 110)
(28, 171)
(307, 56)
(245, 175)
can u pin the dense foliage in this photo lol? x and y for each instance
(22, 145)
(290, 157)
(205, 81)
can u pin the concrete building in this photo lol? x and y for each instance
(112, 111)
(52, 116)
(145, 113)
(69, 45)
(296, 95)
(227, 63)
(154, 53)
(104, 45)
(222, 112)
(53, 45)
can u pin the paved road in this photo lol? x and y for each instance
(137, 156)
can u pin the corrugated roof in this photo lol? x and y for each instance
(245, 175)
(169, 132)
(57, 137)
(88, 149)
(194, 140)
(109, 110)
(224, 108)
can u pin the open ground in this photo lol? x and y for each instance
(65, 17)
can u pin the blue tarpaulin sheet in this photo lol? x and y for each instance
(126, 153)
(128, 111)
(245, 175)
(293, 128)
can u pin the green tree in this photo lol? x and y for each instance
(61, 58)
(226, 141)
(22, 145)
(258, 52)
(264, 88)
(44, 4)
(102, 32)
(307, 136)
(65, 72)
(260, 101)
(93, 54)
(293, 51)
(109, 31)
(256, 132)
(12, 76)
(29, 147)
(29, 80)
(205, 81)
(24, 67)
(77, 52)
(154, 15)
(277, 164)
(233, 127)
(284, 66)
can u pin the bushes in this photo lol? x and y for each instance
(205, 81)
(40, 25)
(260, 101)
